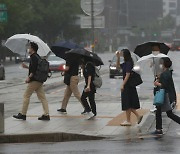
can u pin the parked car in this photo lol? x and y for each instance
(56, 63)
(175, 45)
(113, 71)
(2, 72)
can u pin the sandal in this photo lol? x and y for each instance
(125, 123)
(140, 119)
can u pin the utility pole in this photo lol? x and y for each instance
(92, 24)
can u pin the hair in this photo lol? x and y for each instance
(167, 62)
(34, 46)
(155, 47)
(127, 56)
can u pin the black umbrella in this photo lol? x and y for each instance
(85, 54)
(146, 48)
(59, 48)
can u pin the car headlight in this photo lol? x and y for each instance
(112, 67)
(64, 67)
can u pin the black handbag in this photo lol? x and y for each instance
(134, 79)
(67, 78)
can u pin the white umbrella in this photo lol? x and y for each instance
(153, 58)
(18, 44)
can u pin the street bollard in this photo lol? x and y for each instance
(1, 117)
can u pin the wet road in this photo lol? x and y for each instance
(169, 143)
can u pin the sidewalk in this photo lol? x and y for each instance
(74, 126)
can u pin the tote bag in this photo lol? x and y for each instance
(134, 79)
(159, 97)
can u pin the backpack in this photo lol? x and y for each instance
(42, 72)
(97, 77)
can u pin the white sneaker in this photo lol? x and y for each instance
(89, 115)
(153, 110)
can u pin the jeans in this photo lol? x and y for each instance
(91, 97)
(169, 113)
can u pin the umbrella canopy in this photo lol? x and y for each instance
(151, 56)
(155, 61)
(146, 48)
(86, 54)
(18, 44)
(59, 48)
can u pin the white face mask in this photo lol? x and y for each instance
(155, 52)
(161, 66)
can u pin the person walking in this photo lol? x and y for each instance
(71, 79)
(89, 89)
(165, 82)
(129, 96)
(157, 69)
(33, 86)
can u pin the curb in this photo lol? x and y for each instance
(46, 137)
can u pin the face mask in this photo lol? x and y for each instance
(155, 52)
(161, 66)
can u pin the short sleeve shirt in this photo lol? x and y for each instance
(126, 68)
(89, 71)
(73, 67)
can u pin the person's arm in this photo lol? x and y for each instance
(118, 54)
(90, 71)
(24, 65)
(125, 80)
(128, 73)
(88, 85)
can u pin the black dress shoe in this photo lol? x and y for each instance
(20, 116)
(44, 117)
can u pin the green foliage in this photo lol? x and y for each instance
(49, 19)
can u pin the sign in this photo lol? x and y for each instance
(3, 13)
(98, 6)
(99, 22)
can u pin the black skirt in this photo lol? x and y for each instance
(129, 98)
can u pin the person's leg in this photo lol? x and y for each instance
(158, 118)
(67, 95)
(139, 117)
(84, 101)
(128, 115)
(74, 88)
(174, 117)
(32, 86)
(92, 102)
(41, 96)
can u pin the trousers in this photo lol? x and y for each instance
(169, 113)
(72, 88)
(91, 96)
(35, 86)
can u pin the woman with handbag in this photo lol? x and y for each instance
(165, 82)
(129, 96)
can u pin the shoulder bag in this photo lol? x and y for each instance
(159, 97)
(134, 79)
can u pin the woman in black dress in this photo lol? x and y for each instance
(129, 96)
